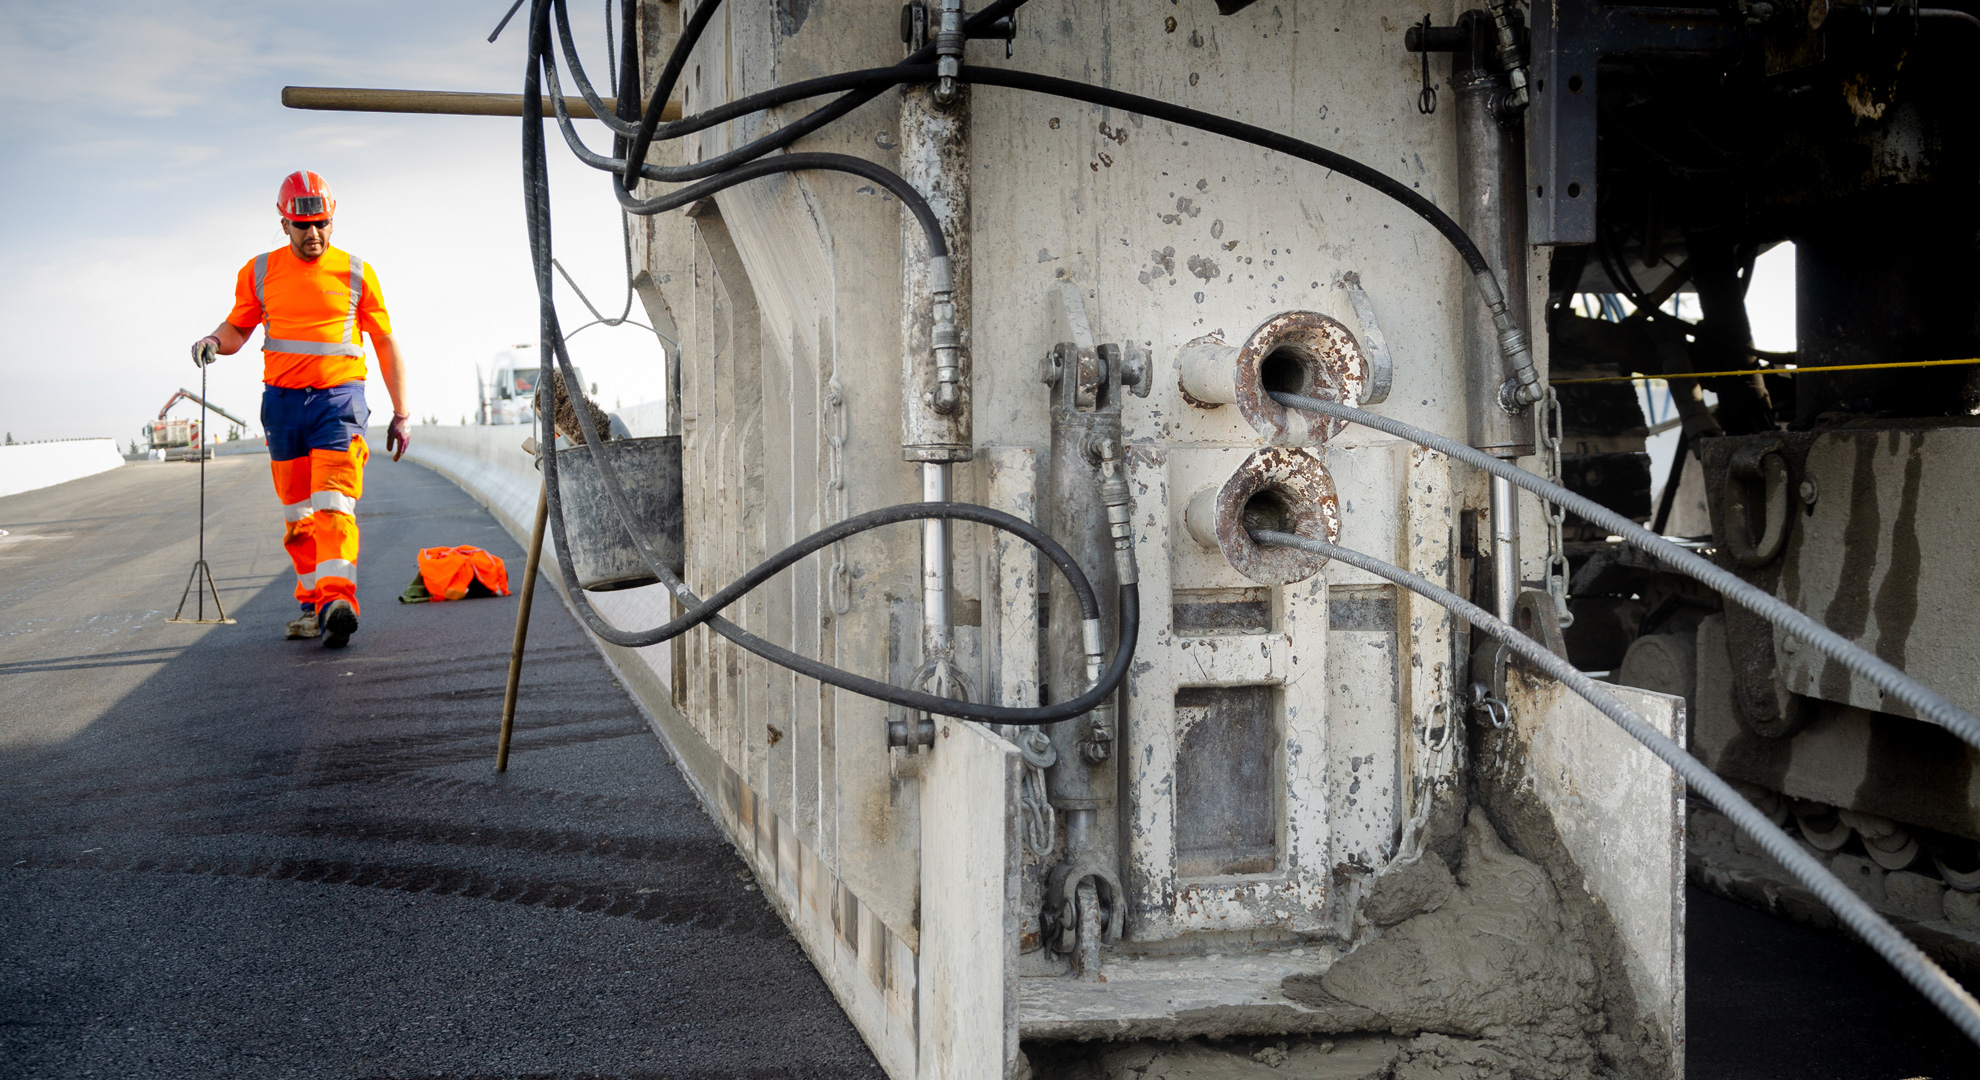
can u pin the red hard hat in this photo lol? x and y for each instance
(305, 196)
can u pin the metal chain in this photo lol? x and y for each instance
(1040, 820)
(838, 585)
(1552, 429)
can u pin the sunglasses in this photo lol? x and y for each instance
(304, 226)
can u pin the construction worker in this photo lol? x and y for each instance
(314, 300)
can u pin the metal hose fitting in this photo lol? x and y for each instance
(1522, 388)
(1120, 513)
(949, 40)
(944, 338)
(1512, 56)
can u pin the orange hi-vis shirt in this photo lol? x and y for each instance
(315, 312)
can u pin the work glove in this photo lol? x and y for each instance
(398, 436)
(205, 351)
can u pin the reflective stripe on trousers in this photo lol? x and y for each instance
(319, 496)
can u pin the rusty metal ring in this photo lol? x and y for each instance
(1329, 366)
(1300, 352)
(1303, 498)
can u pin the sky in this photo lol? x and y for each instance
(139, 159)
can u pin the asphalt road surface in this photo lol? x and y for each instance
(224, 854)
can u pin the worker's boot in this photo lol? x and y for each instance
(305, 625)
(339, 623)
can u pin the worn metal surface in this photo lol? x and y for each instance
(1283, 489)
(1163, 902)
(1490, 175)
(934, 157)
(1227, 781)
(789, 299)
(1887, 557)
(1381, 366)
(1618, 812)
(1294, 352)
(602, 550)
(1570, 38)
(971, 905)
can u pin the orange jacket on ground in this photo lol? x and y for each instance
(315, 313)
(447, 571)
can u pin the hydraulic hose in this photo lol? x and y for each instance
(1367, 175)
(1910, 961)
(895, 184)
(1524, 388)
(878, 79)
(1922, 699)
(537, 209)
(916, 511)
(650, 125)
(610, 119)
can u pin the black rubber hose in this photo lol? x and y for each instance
(1410, 198)
(866, 79)
(663, 90)
(874, 80)
(1923, 700)
(649, 125)
(895, 184)
(537, 211)
(1069, 568)
(1910, 961)
(614, 123)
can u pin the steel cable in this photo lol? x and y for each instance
(1910, 961)
(1923, 700)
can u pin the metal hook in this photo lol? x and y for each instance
(1426, 99)
(1497, 712)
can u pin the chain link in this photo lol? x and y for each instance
(838, 583)
(1552, 429)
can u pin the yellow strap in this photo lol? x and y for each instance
(1764, 371)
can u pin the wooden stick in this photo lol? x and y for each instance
(437, 102)
(522, 630)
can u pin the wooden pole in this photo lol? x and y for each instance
(436, 102)
(522, 630)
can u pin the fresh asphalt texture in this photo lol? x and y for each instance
(224, 854)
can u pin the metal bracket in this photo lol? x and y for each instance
(1381, 369)
(911, 734)
(1569, 39)
(1060, 917)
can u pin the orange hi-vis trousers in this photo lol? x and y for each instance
(317, 453)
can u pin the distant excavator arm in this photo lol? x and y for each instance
(187, 395)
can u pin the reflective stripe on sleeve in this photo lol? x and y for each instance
(296, 511)
(311, 348)
(337, 568)
(333, 500)
(357, 289)
(261, 279)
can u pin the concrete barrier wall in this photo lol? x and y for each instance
(28, 466)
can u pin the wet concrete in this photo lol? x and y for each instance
(227, 854)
